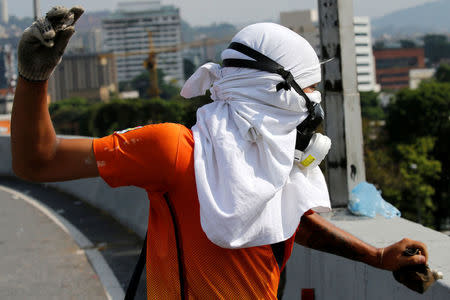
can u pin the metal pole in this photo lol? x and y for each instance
(345, 162)
(36, 9)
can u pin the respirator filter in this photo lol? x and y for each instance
(318, 148)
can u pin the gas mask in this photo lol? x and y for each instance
(311, 147)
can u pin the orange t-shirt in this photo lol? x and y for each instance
(181, 261)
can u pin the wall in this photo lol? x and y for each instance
(129, 205)
(330, 276)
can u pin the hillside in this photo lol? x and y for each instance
(427, 18)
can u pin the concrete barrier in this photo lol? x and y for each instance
(128, 205)
(330, 276)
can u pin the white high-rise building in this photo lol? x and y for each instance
(365, 62)
(126, 31)
(306, 23)
(4, 17)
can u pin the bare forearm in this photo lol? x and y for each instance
(317, 233)
(33, 138)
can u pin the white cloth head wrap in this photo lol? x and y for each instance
(249, 190)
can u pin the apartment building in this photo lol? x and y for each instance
(365, 66)
(306, 23)
(4, 16)
(91, 76)
(126, 32)
(394, 66)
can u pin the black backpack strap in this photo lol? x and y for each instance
(134, 281)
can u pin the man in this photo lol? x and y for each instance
(226, 197)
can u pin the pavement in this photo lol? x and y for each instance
(55, 246)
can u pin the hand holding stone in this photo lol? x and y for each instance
(43, 43)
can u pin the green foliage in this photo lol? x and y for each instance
(407, 44)
(409, 158)
(380, 44)
(141, 84)
(443, 73)
(421, 112)
(381, 167)
(437, 47)
(81, 117)
(71, 116)
(189, 68)
(371, 106)
(418, 170)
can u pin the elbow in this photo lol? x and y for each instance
(30, 164)
(27, 171)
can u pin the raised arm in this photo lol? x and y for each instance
(37, 154)
(317, 233)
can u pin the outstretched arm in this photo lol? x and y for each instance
(317, 233)
(37, 154)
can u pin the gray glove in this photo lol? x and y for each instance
(43, 43)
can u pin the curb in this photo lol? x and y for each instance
(109, 281)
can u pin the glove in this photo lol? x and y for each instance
(43, 43)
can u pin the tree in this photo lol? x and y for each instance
(443, 73)
(421, 113)
(418, 170)
(407, 44)
(71, 116)
(141, 83)
(371, 106)
(380, 44)
(437, 47)
(189, 68)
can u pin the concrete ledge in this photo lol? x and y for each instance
(333, 277)
(128, 205)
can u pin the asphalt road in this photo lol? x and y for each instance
(39, 260)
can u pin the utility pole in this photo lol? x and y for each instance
(36, 9)
(345, 162)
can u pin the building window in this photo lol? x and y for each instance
(361, 34)
(362, 54)
(393, 75)
(403, 82)
(387, 63)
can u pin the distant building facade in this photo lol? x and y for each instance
(4, 16)
(91, 76)
(365, 65)
(90, 41)
(8, 78)
(393, 66)
(306, 23)
(416, 76)
(126, 31)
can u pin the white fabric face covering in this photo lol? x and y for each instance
(249, 189)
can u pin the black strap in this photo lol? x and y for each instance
(278, 252)
(264, 63)
(134, 281)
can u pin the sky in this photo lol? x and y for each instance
(205, 12)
